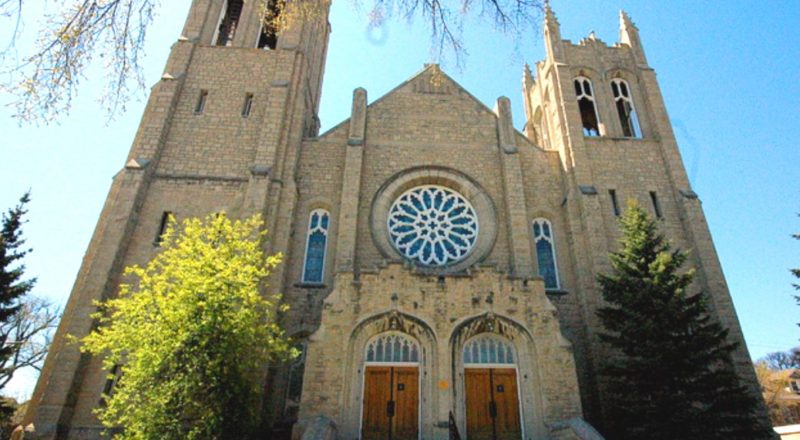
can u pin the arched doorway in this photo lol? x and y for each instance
(390, 409)
(491, 389)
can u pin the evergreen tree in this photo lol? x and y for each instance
(670, 375)
(12, 285)
(187, 342)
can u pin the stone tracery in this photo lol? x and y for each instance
(433, 225)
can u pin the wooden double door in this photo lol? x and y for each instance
(492, 404)
(391, 403)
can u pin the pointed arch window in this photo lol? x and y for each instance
(625, 109)
(393, 348)
(586, 104)
(546, 252)
(316, 243)
(488, 349)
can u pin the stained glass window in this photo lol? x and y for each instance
(392, 347)
(546, 252)
(316, 242)
(488, 350)
(433, 225)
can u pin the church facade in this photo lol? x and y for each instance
(439, 264)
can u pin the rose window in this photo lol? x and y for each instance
(433, 225)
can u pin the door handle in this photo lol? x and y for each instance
(390, 408)
(493, 409)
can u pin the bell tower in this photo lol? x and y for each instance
(221, 132)
(599, 106)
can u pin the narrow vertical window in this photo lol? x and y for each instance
(112, 378)
(228, 22)
(625, 109)
(546, 252)
(201, 102)
(248, 105)
(587, 107)
(614, 202)
(162, 228)
(656, 205)
(316, 242)
(268, 37)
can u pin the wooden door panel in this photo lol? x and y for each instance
(377, 392)
(507, 424)
(478, 393)
(406, 395)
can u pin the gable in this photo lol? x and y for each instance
(428, 108)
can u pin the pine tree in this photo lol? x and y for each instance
(670, 375)
(12, 285)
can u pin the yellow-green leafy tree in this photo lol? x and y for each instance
(189, 337)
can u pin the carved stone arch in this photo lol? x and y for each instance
(527, 364)
(623, 73)
(318, 202)
(363, 332)
(489, 322)
(588, 72)
(391, 321)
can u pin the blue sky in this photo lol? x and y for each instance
(726, 70)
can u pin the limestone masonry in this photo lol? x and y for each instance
(440, 265)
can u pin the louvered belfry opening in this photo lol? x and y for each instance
(268, 39)
(229, 22)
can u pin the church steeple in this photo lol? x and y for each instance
(629, 35)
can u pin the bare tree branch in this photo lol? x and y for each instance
(46, 82)
(446, 19)
(113, 30)
(28, 333)
(11, 9)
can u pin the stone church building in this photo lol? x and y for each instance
(440, 265)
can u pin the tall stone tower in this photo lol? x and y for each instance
(221, 131)
(600, 107)
(440, 265)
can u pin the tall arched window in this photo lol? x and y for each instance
(589, 118)
(546, 252)
(316, 242)
(625, 108)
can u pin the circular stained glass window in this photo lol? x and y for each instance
(433, 225)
